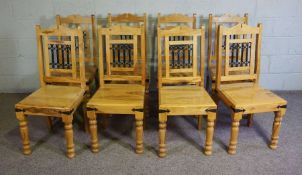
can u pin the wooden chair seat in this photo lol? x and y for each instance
(118, 98)
(250, 97)
(186, 100)
(53, 97)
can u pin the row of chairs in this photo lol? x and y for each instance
(69, 69)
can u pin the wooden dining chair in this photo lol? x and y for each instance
(237, 83)
(181, 81)
(88, 25)
(61, 63)
(126, 94)
(214, 21)
(130, 19)
(173, 20)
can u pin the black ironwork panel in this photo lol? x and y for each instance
(122, 55)
(181, 56)
(60, 56)
(239, 54)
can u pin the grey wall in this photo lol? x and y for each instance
(281, 66)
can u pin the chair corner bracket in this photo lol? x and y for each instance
(238, 110)
(138, 109)
(163, 111)
(211, 110)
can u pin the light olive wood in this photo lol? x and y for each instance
(213, 22)
(120, 93)
(139, 132)
(276, 128)
(67, 120)
(61, 91)
(211, 117)
(243, 94)
(236, 117)
(88, 25)
(24, 132)
(130, 19)
(177, 18)
(175, 98)
(93, 131)
(162, 134)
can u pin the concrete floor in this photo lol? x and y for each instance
(184, 144)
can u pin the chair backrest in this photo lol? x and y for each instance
(127, 18)
(61, 61)
(178, 60)
(214, 21)
(88, 25)
(174, 19)
(240, 47)
(124, 57)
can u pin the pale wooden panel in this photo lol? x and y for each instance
(63, 98)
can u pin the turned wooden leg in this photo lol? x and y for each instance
(105, 121)
(162, 134)
(199, 122)
(67, 119)
(209, 133)
(93, 131)
(250, 120)
(49, 123)
(276, 128)
(86, 127)
(139, 116)
(24, 132)
(236, 117)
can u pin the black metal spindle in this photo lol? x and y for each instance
(247, 54)
(57, 56)
(113, 54)
(124, 56)
(68, 56)
(52, 56)
(118, 56)
(189, 56)
(130, 54)
(178, 58)
(62, 51)
(183, 56)
(237, 55)
(173, 57)
(242, 56)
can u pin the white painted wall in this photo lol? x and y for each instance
(281, 66)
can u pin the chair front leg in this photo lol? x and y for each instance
(276, 128)
(49, 123)
(199, 122)
(67, 119)
(93, 131)
(24, 132)
(209, 133)
(162, 134)
(236, 117)
(250, 120)
(139, 116)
